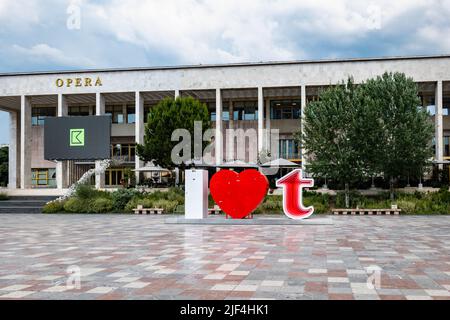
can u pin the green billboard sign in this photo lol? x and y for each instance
(77, 137)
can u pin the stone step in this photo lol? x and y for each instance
(38, 198)
(22, 209)
(22, 203)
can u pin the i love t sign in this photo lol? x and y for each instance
(238, 194)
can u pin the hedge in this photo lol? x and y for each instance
(88, 200)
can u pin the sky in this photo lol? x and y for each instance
(72, 34)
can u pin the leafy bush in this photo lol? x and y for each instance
(53, 207)
(416, 203)
(407, 206)
(321, 208)
(121, 197)
(87, 191)
(176, 194)
(167, 205)
(133, 203)
(3, 196)
(102, 205)
(158, 199)
(77, 205)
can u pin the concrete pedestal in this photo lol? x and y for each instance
(196, 194)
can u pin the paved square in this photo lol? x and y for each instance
(140, 257)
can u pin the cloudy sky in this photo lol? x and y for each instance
(47, 34)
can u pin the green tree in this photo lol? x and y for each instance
(404, 129)
(167, 116)
(4, 166)
(331, 137)
(375, 128)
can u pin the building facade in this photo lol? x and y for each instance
(261, 96)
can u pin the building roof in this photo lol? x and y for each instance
(225, 65)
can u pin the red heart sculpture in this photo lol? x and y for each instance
(238, 194)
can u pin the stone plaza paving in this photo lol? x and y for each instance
(141, 257)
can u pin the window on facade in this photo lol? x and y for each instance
(43, 177)
(433, 143)
(312, 98)
(446, 106)
(245, 110)
(116, 113)
(289, 149)
(211, 105)
(38, 115)
(131, 114)
(125, 152)
(446, 146)
(428, 103)
(113, 177)
(225, 114)
(285, 109)
(78, 111)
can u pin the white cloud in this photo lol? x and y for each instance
(206, 31)
(235, 30)
(44, 53)
(19, 14)
(196, 31)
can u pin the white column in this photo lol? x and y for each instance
(267, 135)
(61, 166)
(139, 130)
(99, 110)
(231, 148)
(438, 123)
(302, 106)
(14, 146)
(219, 137)
(260, 119)
(177, 170)
(125, 113)
(99, 104)
(62, 106)
(25, 138)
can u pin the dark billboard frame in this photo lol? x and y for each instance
(77, 138)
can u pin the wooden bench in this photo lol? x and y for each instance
(141, 210)
(366, 211)
(214, 210)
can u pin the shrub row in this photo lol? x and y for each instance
(89, 200)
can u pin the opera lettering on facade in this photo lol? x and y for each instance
(78, 82)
